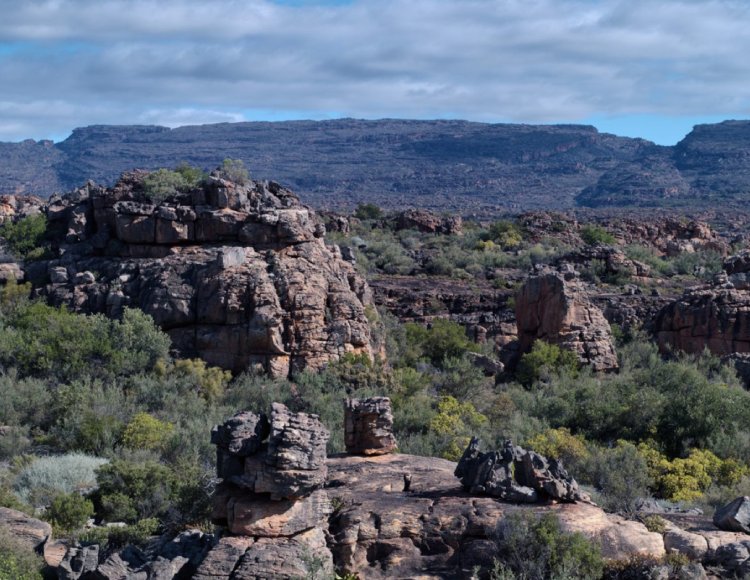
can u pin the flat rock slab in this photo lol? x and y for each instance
(437, 529)
(29, 531)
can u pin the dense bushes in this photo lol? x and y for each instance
(44, 341)
(17, 562)
(25, 237)
(531, 547)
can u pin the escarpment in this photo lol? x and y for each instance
(237, 274)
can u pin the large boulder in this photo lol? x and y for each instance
(237, 274)
(29, 532)
(290, 464)
(735, 516)
(553, 306)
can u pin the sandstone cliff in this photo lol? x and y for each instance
(236, 274)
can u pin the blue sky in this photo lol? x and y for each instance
(631, 67)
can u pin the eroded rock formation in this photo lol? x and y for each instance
(515, 475)
(271, 493)
(368, 426)
(236, 274)
(715, 316)
(552, 306)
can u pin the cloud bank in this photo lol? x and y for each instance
(67, 63)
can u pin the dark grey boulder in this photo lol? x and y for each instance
(735, 516)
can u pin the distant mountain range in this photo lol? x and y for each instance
(454, 166)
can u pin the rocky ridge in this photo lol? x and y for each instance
(237, 274)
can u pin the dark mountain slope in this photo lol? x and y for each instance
(452, 165)
(455, 166)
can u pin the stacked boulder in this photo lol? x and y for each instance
(368, 426)
(270, 497)
(516, 475)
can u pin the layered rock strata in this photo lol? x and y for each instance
(715, 316)
(272, 473)
(368, 426)
(553, 306)
(236, 274)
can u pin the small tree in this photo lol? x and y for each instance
(234, 170)
(69, 512)
(25, 237)
(146, 432)
(368, 211)
(594, 234)
(544, 358)
(163, 183)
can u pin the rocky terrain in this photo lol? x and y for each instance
(236, 274)
(445, 165)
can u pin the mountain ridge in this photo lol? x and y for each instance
(445, 165)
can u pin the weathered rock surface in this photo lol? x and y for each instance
(29, 531)
(515, 475)
(553, 306)
(290, 465)
(368, 426)
(715, 318)
(735, 516)
(428, 222)
(236, 274)
(437, 530)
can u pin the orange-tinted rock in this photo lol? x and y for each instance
(553, 306)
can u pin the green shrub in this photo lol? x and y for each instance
(532, 547)
(163, 183)
(39, 482)
(130, 491)
(368, 211)
(506, 233)
(69, 512)
(593, 234)
(234, 170)
(620, 475)
(112, 537)
(42, 340)
(25, 237)
(443, 339)
(655, 523)
(193, 176)
(146, 432)
(543, 359)
(17, 562)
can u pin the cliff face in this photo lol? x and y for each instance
(236, 274)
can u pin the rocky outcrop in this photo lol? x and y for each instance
(437, 530)
(368, 426)
(163, 559)
(516, 475)
(272, 473)
(735, 516)
(30, 532)
(553, 306)
(428, 222)
(236, 274)
(713, 318)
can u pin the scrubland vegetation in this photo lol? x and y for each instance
(101, 422)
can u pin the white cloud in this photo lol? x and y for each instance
(175, 61)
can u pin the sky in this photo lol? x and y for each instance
(641, 68)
